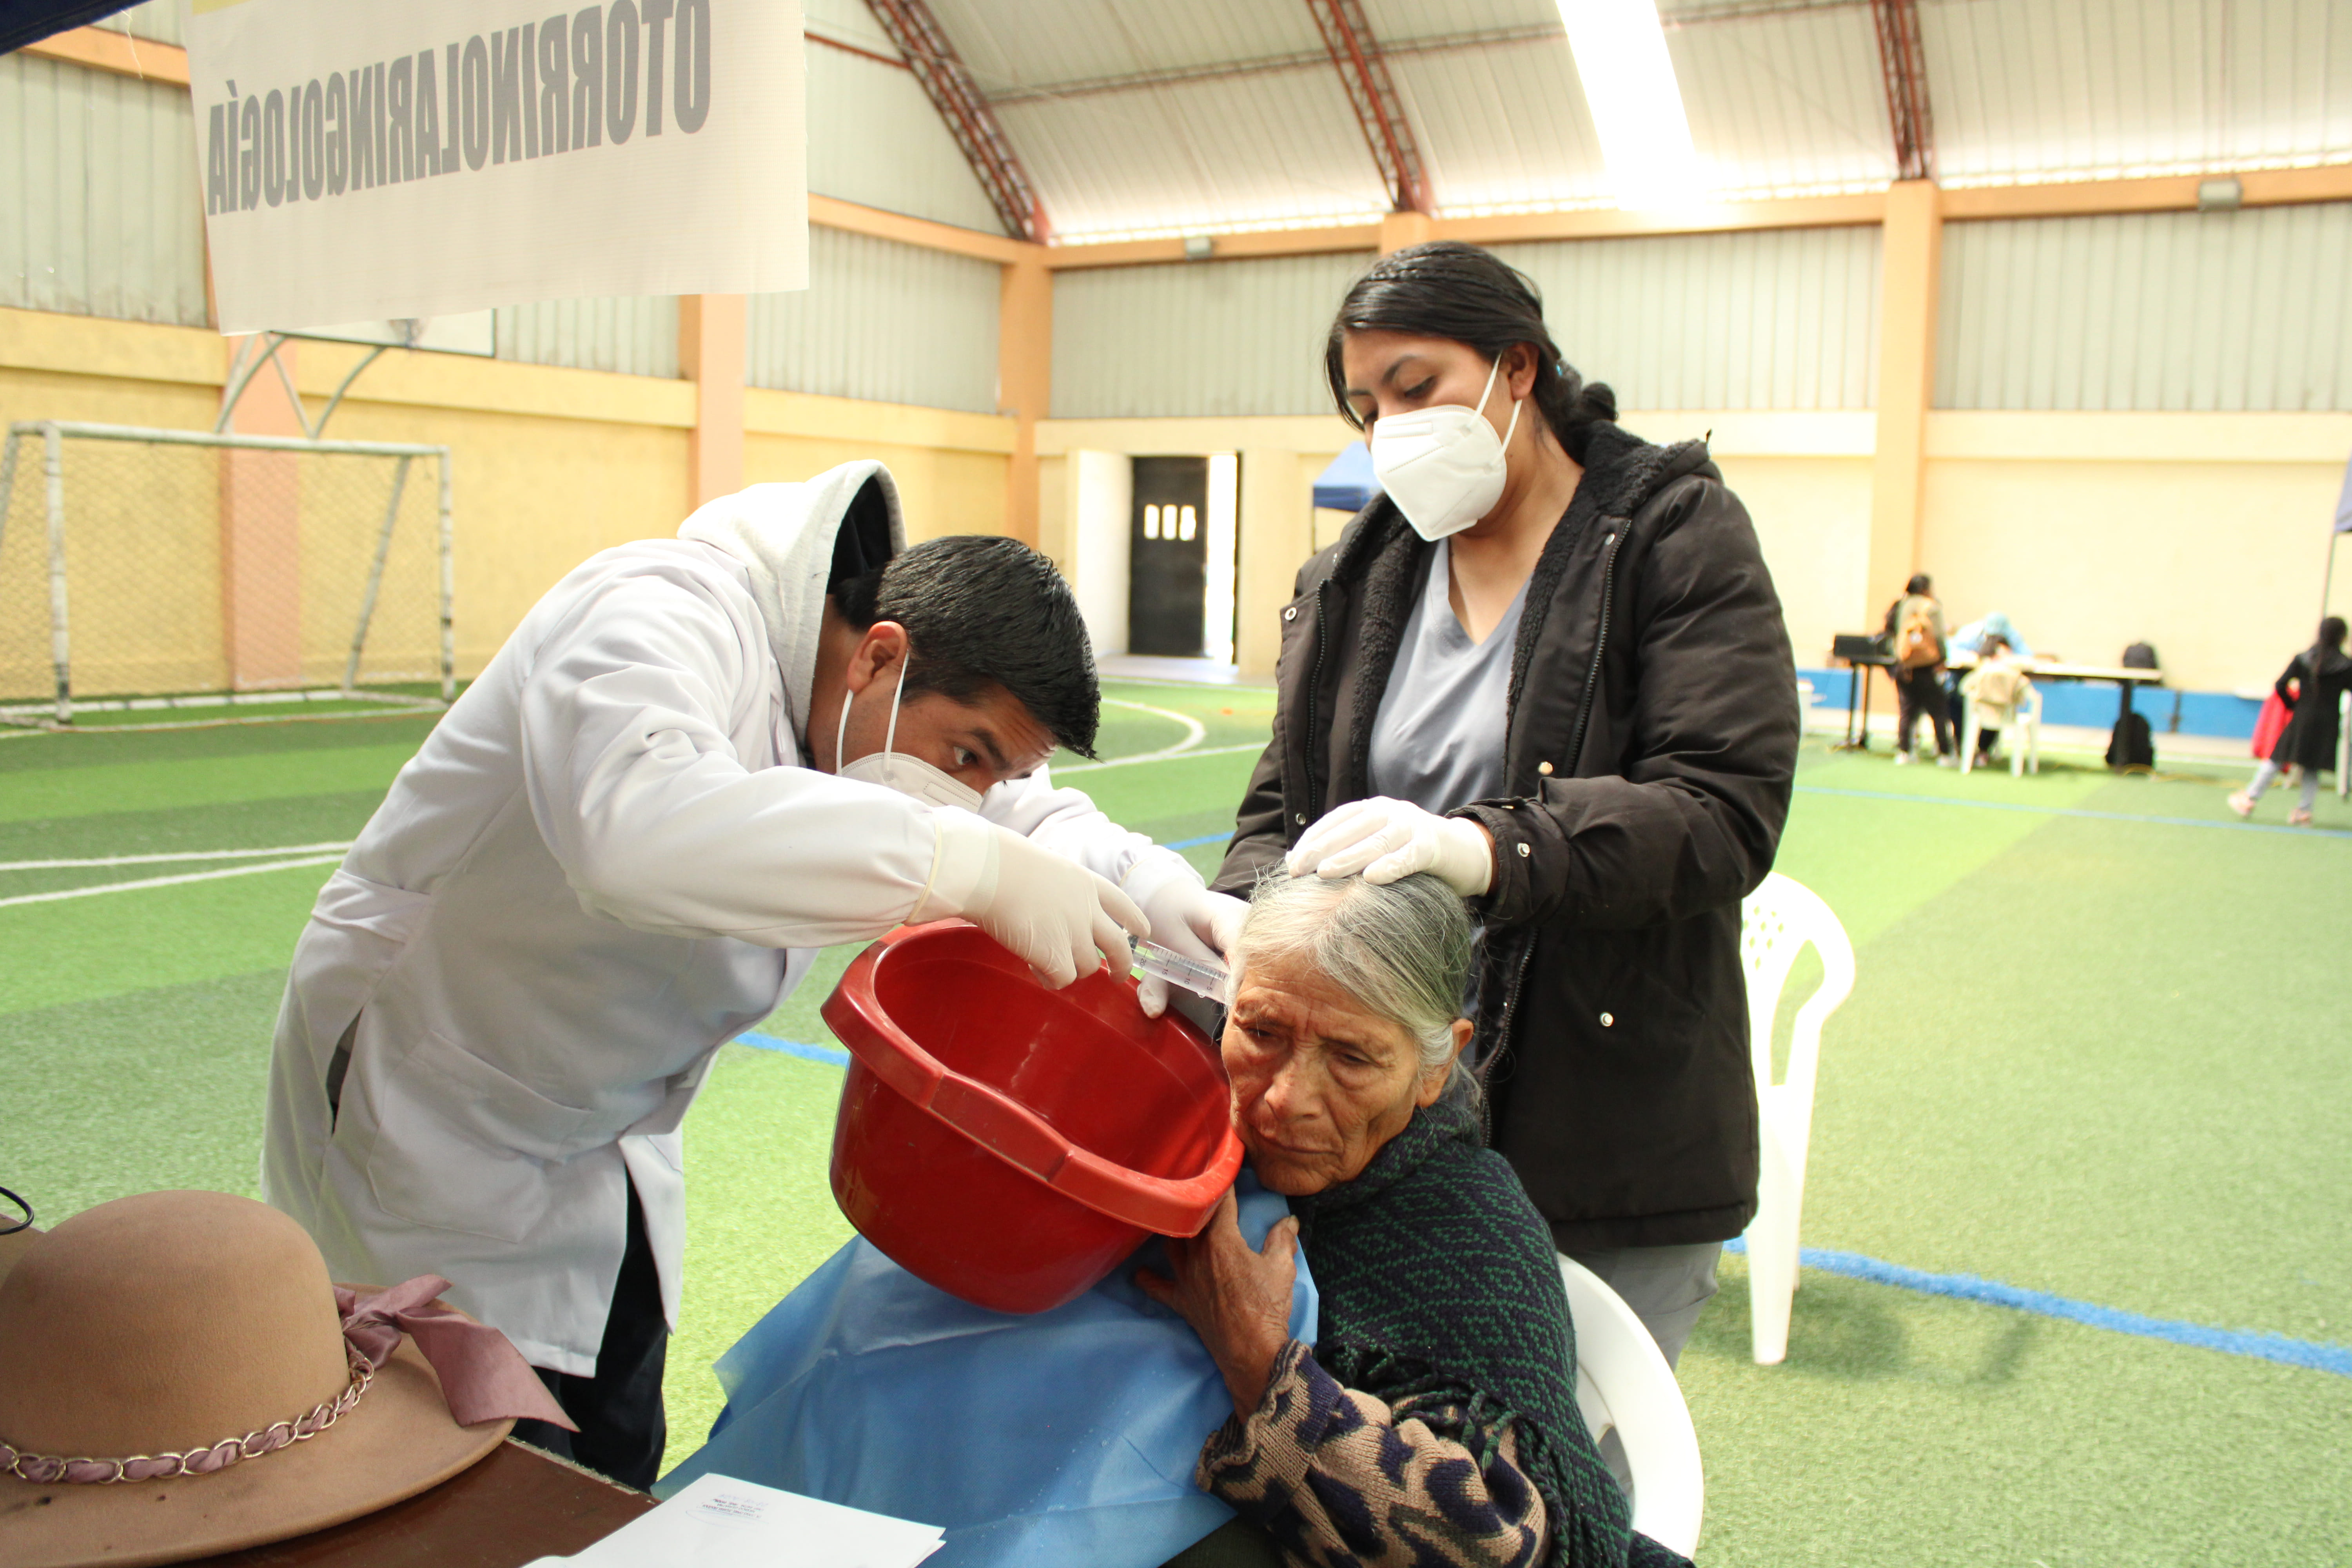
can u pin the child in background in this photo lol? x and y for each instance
(1993, 690)
(2313, 684)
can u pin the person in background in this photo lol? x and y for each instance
(1547, 663)
(1970, 638)
(1915, 624)
(2312, 685)
(1969, 642)
(1996, 686)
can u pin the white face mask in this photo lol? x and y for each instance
(1443, 466)
(896, 770)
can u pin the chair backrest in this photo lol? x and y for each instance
(1775, 922)
(1623, 1383)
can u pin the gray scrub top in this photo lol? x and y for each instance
(1438, 740)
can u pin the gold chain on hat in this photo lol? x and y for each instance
(45, 1468)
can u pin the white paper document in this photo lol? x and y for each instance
(719, 1522)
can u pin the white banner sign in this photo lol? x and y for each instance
(403, 158)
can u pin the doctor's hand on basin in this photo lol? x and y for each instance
(1063, 919)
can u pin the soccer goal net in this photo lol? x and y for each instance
(149, 568)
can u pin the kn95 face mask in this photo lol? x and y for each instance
(909, 775)
(1443, 466)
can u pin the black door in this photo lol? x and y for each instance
(1169, 556)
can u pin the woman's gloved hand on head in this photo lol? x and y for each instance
(1386, 839)
(1186, 919)
(1064, 919)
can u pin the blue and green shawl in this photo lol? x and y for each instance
(1442, 1297)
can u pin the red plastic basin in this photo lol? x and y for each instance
(1008, 1143)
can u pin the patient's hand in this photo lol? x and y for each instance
(1237, 1300)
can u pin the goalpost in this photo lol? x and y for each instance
(185, 568)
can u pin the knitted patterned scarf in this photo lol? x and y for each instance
(1441, 1293)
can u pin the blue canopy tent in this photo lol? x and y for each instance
(1348, 485)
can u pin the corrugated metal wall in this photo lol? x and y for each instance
(1197, 338)
(99, 209)
(156, 19)
(2250, 310)
(634, 336)
(872, 136)
(1778, 319)
(881, 320)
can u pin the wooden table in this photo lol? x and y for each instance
(2035, 669)
(516, 1505)
(1859, 667)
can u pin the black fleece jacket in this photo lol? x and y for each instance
(1651, 744)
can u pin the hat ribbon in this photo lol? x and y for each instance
(482, 1376)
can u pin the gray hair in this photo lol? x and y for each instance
(1401, 949)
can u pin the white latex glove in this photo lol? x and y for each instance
(1385, 839)
(1061, 917)
(1186, 919)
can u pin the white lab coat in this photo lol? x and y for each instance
(607, 860)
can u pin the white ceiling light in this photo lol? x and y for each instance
(1637, 106)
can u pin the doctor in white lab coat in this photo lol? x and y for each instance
(695, 761)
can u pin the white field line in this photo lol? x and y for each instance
(1194, 733)
(385, 710)
(166, 859)
(168, 881)
(1190, 746)
(1159, 757)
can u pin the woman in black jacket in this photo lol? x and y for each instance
(2313, 685)
(1549, 666)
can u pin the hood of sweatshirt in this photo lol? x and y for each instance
(797, 541)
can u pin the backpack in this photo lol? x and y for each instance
(1918, 646)
(2131, 745)
(2139, 656)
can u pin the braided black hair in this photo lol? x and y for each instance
(1448, 290)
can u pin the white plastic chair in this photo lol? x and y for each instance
(2024, 723)
(1775, 922)
(1623, 1383)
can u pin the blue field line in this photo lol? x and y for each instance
(1196, 843)
(2311, 1355)
(830, 1056)
(2075, 811)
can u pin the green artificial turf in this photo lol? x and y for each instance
(2095, 1048)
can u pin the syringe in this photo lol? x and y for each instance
(1201, 978)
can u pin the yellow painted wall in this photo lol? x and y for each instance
(2204, 534)
(1812, 518)
(2216, 564)
(941, 492)
(532, 499)
(951, 466)
(551, 466)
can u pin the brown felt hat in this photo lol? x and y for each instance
(173, 1322)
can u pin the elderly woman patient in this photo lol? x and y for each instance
(1364, 1358)
(1434, 1418)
